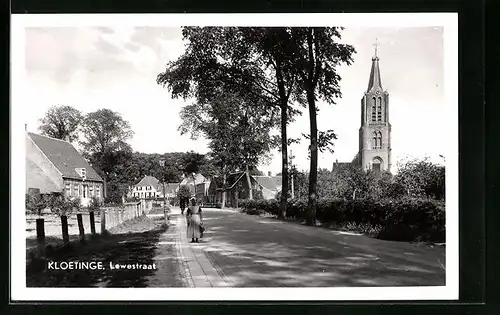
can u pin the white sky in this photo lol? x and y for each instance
(116, 67)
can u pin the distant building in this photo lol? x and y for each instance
(236, 188)
(200, 182)
(375, 131)
(54, 166)
(148, 188)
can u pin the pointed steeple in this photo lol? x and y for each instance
(375, 73)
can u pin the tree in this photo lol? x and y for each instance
(315, 57)
(245, 60)
(105, 131)
(105, 145)
(37, 202)
(238, 132)
(61, 122)
(421, 178)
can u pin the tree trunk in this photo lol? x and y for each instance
(223, 205)
(64, 227)
(284, 139)
(249, 182)
(313, 172)
(284, 161)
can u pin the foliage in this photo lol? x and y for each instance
(37, 202)
(60, 122)
(238, 131)
(63, 205)
(246, 61)
(315, 56)
(94, 205)
(418, 178)
(184, 192)
(105, 131)
(406, 219)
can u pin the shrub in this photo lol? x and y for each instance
(408, 219)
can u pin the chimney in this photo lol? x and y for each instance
(269, 173)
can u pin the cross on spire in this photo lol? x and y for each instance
(376, 46)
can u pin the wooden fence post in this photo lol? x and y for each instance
(81, 229)
(92, 222)
(64, 227)
(103, 220)
(40, 237)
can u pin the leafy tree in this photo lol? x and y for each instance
(420, 178)
(315, 56)
(37, 202)
(60, 122)
(184, 193)
(105, 135)
(105, 131)
(63, 205)
(238, 132)
(247, 61)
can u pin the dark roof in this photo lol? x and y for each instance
(36, 178)
(374, 81)
(272, 183)
(233, 178)
(341, 165)
(148, 181)
(64, 157)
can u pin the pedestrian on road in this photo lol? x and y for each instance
(194, 217)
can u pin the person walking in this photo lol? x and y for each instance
(194, 219)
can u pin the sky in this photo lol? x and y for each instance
(90, 68)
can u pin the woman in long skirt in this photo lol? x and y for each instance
(194, 218)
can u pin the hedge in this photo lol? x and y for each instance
(402, 219)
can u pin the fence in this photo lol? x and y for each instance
(77, 224)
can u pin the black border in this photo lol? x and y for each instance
(471, 135)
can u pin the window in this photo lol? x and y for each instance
(68, 189)
(91, 192)
(374, 110)
(85, 191)
(377, 140)
(98, 191)
(76, 189)
(379, 109)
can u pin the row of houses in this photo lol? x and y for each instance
(210, 191)
(54, 165)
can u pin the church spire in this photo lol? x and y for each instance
(375, 72)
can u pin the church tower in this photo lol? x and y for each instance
(375, 131)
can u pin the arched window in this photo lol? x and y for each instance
(377, 140)
(374, 110)
(379, 109)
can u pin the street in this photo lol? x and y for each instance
(240, 250)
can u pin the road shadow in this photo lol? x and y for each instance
(253, 252)
(135, 247)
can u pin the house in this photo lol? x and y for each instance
(269, 185)
(237, 188)
(148, 188)
(198, 185)
(54, 166)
